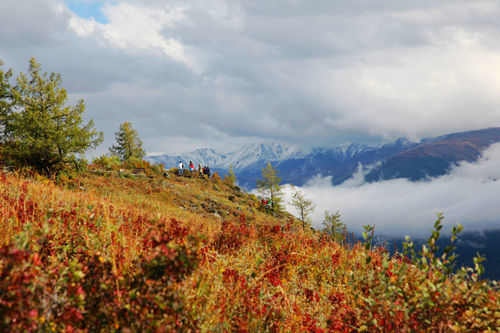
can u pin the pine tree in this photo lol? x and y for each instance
(39, 130)
(304, 207)
(269, 186)
(128, 144)
(5, 99)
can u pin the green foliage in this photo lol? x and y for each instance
(303, 206)
(158, 169)
(230, 177)
(269, 186)
(128, 144)
(430, 255)
(38, 129)
(134, 162)
(5, 99)
(334, 227)
(478, 266)
(368, 235)
(107, 162)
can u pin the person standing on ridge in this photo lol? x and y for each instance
(191, 166)
(181, 168)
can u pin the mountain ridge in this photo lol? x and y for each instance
(401, 158)
(434, 157)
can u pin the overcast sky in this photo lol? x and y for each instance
(218, 73)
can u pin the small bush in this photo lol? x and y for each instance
(107, 162)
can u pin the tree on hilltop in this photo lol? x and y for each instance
(128, 144)
(38, 129)
(303, 206)
(230, 177)
(269, 186)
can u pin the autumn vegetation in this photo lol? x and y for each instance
(119, 245)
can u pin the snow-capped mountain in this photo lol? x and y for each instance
(252, 153)
(398, 159)
(204, 156)
(296, 165)
(245, 156)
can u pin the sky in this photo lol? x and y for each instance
(468, 195)
(219, 73)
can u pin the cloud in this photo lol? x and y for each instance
(303, 72)
(131, 27)
(25, 24)
(467, 195)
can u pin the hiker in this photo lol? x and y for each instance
(266, 205)
(191, 166)
(181, 168)
(200, 170)
(207, 170)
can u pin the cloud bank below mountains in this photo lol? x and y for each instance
(469, 195)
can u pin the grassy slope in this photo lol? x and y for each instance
(108, 253)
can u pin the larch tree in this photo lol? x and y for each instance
(38, 129)
(230, 177)
(128, 144)
(303, 206)
(269, 186)
(334, 226)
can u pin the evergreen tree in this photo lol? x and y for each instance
(303, 206)
(38, 129)
(334, 226)
(128, 144)
(5, 101)
(269, 186)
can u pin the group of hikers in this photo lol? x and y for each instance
(267, 204)
(202, 171)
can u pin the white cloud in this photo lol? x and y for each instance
(468, 195)
(135, 27)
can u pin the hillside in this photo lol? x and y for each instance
(117, 252)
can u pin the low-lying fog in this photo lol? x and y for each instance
(469, 194)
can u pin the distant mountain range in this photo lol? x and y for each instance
(399, 159)
(240, 159)
(434, 157)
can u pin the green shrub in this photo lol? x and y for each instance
(107, 162)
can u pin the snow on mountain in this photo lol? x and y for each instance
(255, 153)
(241, 158)
(251, 153)
(341, 152)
